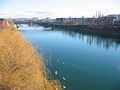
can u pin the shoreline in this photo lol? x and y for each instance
(110, 31)
(104, 31)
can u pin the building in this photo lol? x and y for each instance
(117, 19)
(69, 21)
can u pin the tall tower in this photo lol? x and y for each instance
(96, 15)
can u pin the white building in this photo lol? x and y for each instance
(118, 17)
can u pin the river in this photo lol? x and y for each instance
(78, 61)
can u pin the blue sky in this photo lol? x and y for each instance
(57, 8)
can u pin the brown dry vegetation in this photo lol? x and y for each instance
(21, 68)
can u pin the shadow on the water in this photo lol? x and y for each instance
(97, 40)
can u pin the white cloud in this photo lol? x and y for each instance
(58, 8)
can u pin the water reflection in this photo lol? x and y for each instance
(90, 39)
(99, 41)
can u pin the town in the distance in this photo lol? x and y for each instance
(98, 20)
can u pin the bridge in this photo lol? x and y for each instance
(32, 23)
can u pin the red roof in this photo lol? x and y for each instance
(6, 24)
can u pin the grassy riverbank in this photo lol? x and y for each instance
(21, 68)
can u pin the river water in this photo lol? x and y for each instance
(78, 61)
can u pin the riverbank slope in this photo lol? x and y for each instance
(21, 67)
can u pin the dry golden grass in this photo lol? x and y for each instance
(21, 68)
